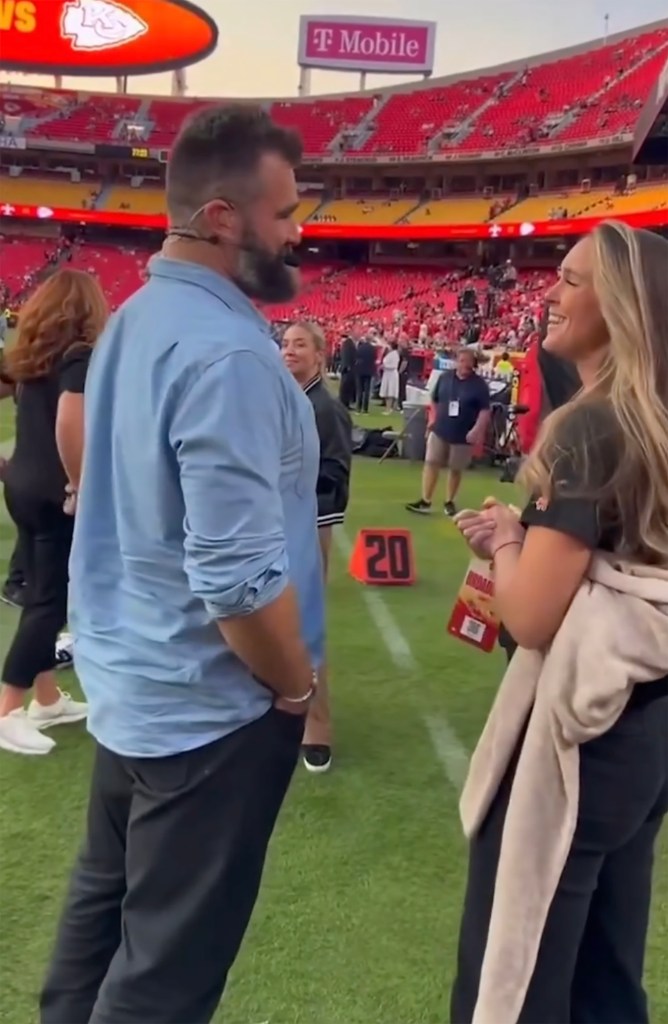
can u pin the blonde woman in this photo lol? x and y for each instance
(304, 353)
(557, 904)
(58, 326)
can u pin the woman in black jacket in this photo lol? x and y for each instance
(304, 353)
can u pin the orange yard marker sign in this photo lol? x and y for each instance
(383, 557)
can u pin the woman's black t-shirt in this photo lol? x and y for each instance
(35, 469)
(589, 447)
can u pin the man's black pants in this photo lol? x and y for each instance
(590, 962)
(167, 879)
(347, 388)
(363, 392)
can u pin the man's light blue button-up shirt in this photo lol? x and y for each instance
(198, 502)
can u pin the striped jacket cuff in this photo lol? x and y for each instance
(333, 519)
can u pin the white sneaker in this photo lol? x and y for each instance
(20, 736)
(64, 712)
(65, 651)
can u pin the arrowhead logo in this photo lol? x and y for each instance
(527, 229)
(99, 24)
(44, 212)
(106, 37)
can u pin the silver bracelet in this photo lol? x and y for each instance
(307, 696)
(300, 700)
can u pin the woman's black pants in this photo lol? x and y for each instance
(590, 963)
(44, 539)
(15, 574)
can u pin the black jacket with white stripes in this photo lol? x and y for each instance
(336, 448)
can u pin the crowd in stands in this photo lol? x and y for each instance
(22, 263)
(598, 91)
(426, 306)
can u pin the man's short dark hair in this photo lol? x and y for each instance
(217, 153)
(463, 350)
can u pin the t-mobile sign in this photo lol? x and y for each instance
(367, 44)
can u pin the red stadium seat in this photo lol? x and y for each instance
(165, 118)
(598, 91)
(99, 118)
(119, 271)
(549, 101)
(407, 121)
(320, 121)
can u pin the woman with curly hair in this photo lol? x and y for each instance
(46, 369)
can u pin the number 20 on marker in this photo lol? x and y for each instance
(383, 557)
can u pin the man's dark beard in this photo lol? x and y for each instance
(262, 274)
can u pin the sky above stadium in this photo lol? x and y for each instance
(258, 40)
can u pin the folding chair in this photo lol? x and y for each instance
(397, 436)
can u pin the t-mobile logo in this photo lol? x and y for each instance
(323, 39)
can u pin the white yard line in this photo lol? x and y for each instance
(448, 748)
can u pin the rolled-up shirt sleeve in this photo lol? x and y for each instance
(226, 431)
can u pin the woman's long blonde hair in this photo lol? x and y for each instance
(631, 283)
(66, 310)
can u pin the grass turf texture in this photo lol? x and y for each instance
(358, 914)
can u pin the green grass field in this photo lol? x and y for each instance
(358, 915)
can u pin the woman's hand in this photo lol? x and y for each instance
(485, 531)
(478, 530)
(507, 526)
(493, 502)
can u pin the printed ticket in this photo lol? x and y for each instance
(474, 619)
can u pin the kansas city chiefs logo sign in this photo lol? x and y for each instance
(99, 24)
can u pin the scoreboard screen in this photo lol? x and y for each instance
(125, 152)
